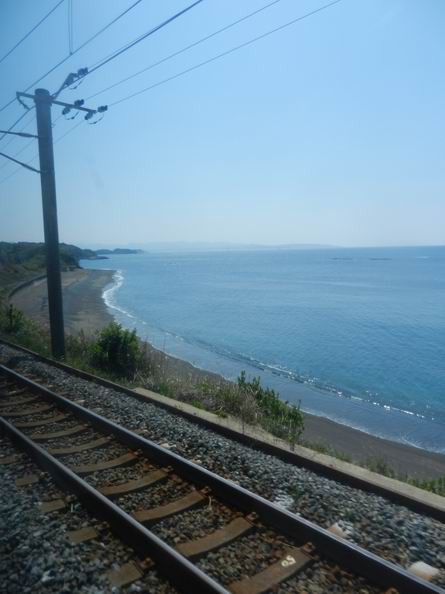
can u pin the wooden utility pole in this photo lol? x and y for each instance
(43, 101)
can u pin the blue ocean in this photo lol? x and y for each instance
(356, 335)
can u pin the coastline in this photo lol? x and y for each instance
(85, 309)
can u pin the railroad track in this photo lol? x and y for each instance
(136, 485)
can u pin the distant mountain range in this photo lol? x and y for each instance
(202, 246)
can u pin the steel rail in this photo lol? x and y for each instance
(181, 572)
(417, 505)
(348, 555)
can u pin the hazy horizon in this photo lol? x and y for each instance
(136, 245)
(94, 245)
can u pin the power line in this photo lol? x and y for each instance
(15, 123)
(24, 147)
(29, 32)
(19, 162)
(116, 54)
(21, 150)
(10, 140)
(79, 123)
(184, 49)
(225, 53)
(70, 26)
(192, 68)
(5, 179)
(142, 37)
(112, 22)
(54, 123)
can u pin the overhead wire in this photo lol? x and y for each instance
(102, 30)
(108, 59)
(19, 162)
(22, 129)
(36, 154)
(192, 68)
(70, 26)
(21, 150)
(18, 120)
(186, 48)
(131, 44)
(31, 31)
(88, 41)
(119, 52)
(5, 179)
(25, 146)
(79, 123)
(225, 53)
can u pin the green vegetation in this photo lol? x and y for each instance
(14, 320)
(117, 351)
(246, 400)
(434, 485)
(24, 261)
(24, 256)
(14, 325)
(278, 417)
(118, 354)
(321, 448)
(380, 466)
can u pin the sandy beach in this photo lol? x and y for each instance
(84, 309)
(83, 306)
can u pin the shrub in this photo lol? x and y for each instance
(117, 351)
(12, 319)
(15, 326)
(278, 417)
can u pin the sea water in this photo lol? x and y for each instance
(357, 335)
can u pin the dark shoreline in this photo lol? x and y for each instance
(85, 310)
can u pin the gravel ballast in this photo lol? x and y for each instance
(35, 554)
(387, 529)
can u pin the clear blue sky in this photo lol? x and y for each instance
(331, 131)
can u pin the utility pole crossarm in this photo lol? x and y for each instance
(77, 105)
